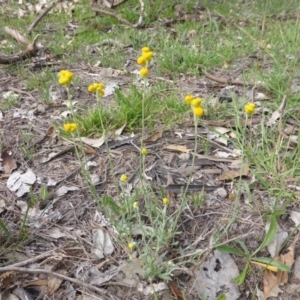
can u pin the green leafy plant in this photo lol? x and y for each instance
(268, 263)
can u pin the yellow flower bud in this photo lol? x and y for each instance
(131, 246)
(70, 127)
(141, 60)
(148, 56)
(166, 201)
(196, 102)
(188, 99)
(144, 151)
(65, 77)
(145, 50)
(249, 108)
(124, 178)
(198, 111)
(144, 72)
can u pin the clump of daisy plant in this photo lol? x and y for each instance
(198, 111)
(144, 60)
(65, 79)
(98, 89)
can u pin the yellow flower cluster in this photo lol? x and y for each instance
(70, 127)
(65, 77)
(144, 61)
(250, 108)
(97, 88)
(195, 104)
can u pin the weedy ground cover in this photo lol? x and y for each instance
(154, 159)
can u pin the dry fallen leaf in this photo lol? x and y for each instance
(120, 130)
(65, 189)
(217, 272)
(277, 113)
(234, 173)
(8, 162)
(103, 244)
(175, 290)
(92, 142)
(271, 281)
(20, 183)
(54, 282)
(154, 137)
(179, 148)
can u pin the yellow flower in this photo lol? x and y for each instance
(96, 87)
(144, 72)
(124, 178)
(198, 111)
(141, 60)
(249, 108)
(131, 246)
(70, 127)
(188, 99)
(101, 92)
(91, 88)
(148, 56)
(144, 151)
(135, 204)
(166, 201)
(65, 77)
(145, 50)
(196, 102)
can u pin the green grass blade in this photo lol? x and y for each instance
(272, 262)
(269, 236)
(229, 250)
(3, 227)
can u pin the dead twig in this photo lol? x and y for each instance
(141, 17)
(102, 292)
(42, 15)
(13, 89)
(108, 13)
(34, 259)
(225, 80)
(109, 4)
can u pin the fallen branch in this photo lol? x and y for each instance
(42, 15)
(28, 53)
(102, 292)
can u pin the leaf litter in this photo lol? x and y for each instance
(70, 212)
